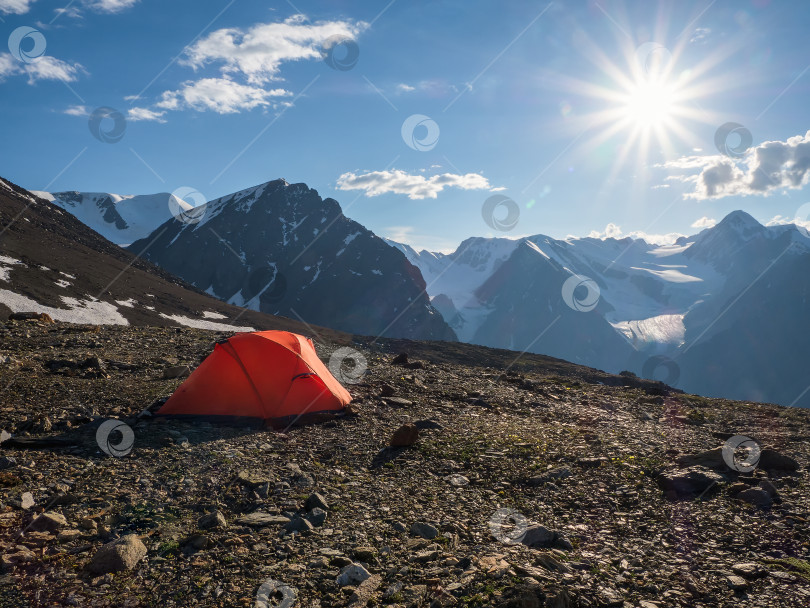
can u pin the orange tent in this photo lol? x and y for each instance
(266, 376)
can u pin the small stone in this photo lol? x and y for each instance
(400, 359)
(749, 570)
(755, 496)
(736, 582)
(317, 516)
(364, 554)
(365, 592)
(405, 436)
(48, 522)
(315, 500)
(353, 574)
(386, 390)
(66, 536)
(769, 488)
(25, 502)
(176, 371)
(121, 554)
(424, 530)
(299, 524)
(457, 480)
(212, 520)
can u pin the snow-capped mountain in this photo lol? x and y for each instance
(52, 263)
(281, 248)
(660, 300)
(120, 219)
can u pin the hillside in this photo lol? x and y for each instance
(532, 482)
(51, 262)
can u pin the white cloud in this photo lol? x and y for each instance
(700, 34)
(704, 222)
(15, 7)
(51, 68)
(110, 6)
(77, 111)
(433, 88)
(405, 88)
(416, 187)
(779, 220)
(136, 114)
(258, 52)
(41, 68)
(219, 95)
(766, 168)
(613, 231)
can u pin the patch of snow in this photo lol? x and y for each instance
(377, 272)
(213, 315)
(661, 329)
(63, 283)
(129, 303)
(198, 324)
(78, 311)
(351, 237)
(70, 276)
(5, 266)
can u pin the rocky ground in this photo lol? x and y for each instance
(528, 484)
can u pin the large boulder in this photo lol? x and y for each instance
(689, 483)
(118, 555)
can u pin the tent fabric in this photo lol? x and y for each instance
(262, 376)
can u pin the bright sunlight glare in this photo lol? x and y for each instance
(649, 104)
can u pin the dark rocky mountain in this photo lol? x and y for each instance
(282, 249)
(51, 262)
(539, 319)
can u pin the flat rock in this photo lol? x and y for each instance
(424, 530)
(736, 582)
(688, 483)
(260, 520)
(48, 522)
(212, 520)
(770, 459)
(316, 500)
(749, 570)
(365, 591)
(755, 496)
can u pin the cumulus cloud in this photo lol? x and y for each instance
(110, 6)
(613, 231)
(766, 168)
(15, 7)
(41, 68)
(258, 52)
(219, 95)
(801, 219)
(77, 111)
(704, 222)
(416, 187)
(136, 114)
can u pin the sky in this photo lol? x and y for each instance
(429, 122)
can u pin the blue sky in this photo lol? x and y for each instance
(594, 116)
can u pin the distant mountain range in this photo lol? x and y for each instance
(721, 313)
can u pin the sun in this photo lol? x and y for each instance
(650, 104)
